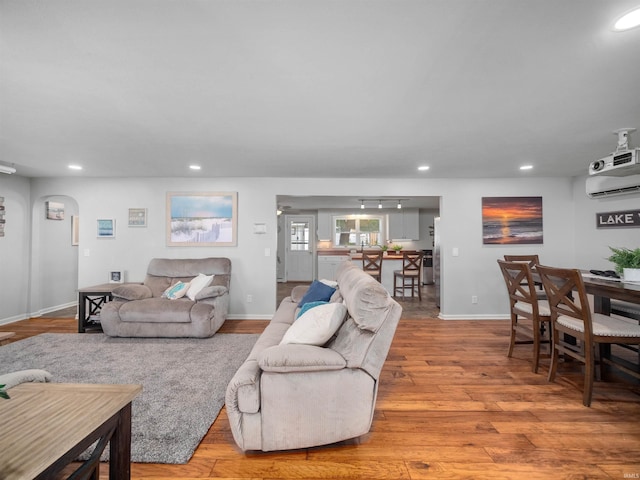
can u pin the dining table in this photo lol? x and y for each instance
(604, 289)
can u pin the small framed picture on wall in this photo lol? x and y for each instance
(106, 228)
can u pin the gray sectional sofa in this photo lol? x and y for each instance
(140, 310)
(288, 396)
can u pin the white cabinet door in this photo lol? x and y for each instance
(324, 226)
(404, 225)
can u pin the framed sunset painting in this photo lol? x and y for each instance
(511, 220)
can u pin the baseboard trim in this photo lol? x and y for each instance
(474, 317)
(15, 318)
(44, 311)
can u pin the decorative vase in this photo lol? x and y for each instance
(631, 274)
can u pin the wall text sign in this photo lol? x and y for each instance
(628, 218)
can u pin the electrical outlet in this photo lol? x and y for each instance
(249, 298)
(474, 299)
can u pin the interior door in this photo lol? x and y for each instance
(300, 248)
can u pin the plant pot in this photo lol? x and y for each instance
(631, 274)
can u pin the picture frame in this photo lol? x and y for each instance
(54, 210)
(512, 221)
(75, 230)
(137, 217)
(202, 219)
(116, 276)
(106, 227)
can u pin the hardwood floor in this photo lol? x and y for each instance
(450, 405)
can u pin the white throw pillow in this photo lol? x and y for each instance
(317, 325)
(197, 284)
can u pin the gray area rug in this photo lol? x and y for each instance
(184, 381)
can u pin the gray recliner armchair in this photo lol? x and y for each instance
(140, 310)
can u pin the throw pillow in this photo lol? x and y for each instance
(308, 306)
(317, 325)
(178, 290)
(198, 284)
(318, 291)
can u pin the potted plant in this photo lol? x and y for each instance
(396, 248)
(627, 262)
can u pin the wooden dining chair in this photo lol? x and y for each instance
(372, 263)
(533, 261)
(571, 315)
(409, 276)
(528, 312)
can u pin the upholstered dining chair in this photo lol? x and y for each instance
(571, 314)
(409, 276)
(372, 263)
(528, 312)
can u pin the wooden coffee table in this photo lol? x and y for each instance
(46, 426)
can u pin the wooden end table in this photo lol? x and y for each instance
(46, 426)
(90, 302)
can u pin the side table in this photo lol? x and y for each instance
(90, 302)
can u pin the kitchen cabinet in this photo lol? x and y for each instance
(324, 226)
(404, 225)
(328, 265)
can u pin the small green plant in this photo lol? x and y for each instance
(396, 248)
(3, 392)
(625, 258)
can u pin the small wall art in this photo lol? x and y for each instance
(106, 228)
(511, 220)
(54, 210)
(137, 217)
(202, 219)
(75, 230)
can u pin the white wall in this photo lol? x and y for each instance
(15, 248)
(473, 272)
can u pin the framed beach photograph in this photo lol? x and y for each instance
(137, 217)
(55, 210)
(511, 220)
(106, 228)
(202, 219)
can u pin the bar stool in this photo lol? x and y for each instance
(409, 276)
(372, 264)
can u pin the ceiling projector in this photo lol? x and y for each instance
(624, 161)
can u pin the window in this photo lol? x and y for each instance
(356, 231)
(299, 236)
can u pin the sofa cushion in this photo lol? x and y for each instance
(316, 326)
(158, 310)
(211, 291)
(132, 292)
(298, 292)
(318, 291)
(197, 284)
(299, 358)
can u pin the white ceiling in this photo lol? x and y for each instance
(314, 88)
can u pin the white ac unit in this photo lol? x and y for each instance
(617, 164)
(605, 186)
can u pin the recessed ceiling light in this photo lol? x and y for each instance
(423, 168)
(75, 167)
(526, 167)
(194, 167)
(628, 20)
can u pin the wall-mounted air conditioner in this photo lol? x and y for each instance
(605, 186)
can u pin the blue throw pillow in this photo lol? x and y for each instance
(318, 292)
(309, 306)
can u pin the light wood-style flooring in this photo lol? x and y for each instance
(451, 405)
